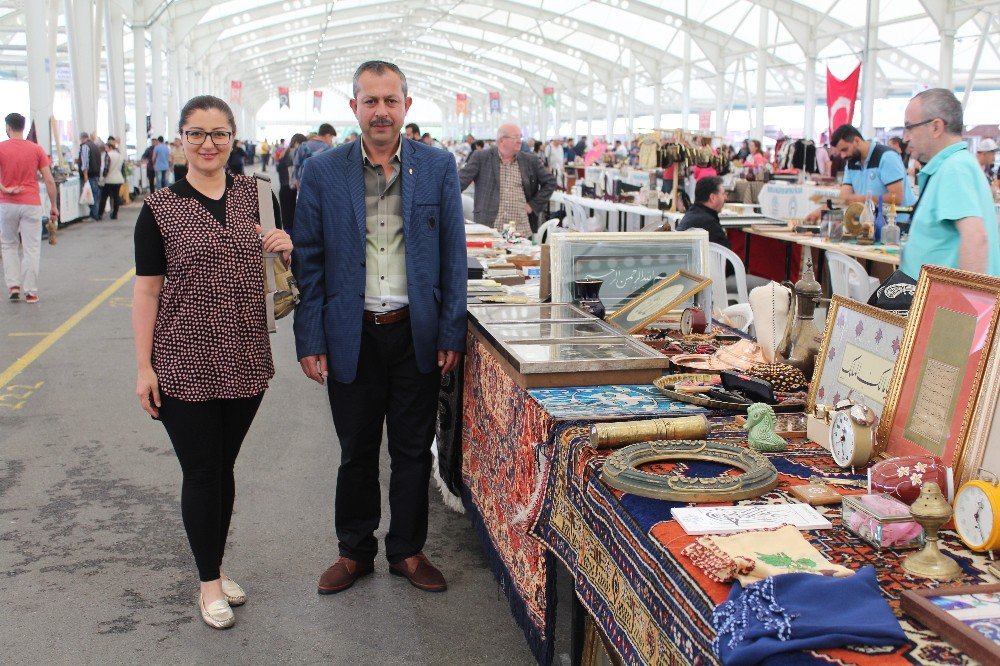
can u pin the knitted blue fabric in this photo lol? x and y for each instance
(802, 611)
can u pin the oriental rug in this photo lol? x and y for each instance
(653, 604)
(506, 444)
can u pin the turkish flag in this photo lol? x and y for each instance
(840, 97)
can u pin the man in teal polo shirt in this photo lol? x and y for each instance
(873, 170)
(954, 223)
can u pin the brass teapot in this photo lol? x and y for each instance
(802, 339)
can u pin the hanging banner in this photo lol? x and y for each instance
(704, 120)
(494, 102)
(549, 96)
(283, 98)
(317, 100)
(236, 92)
(461, 104)
(841, 96)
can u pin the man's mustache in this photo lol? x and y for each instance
(381, 122)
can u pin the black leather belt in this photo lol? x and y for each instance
(391, 317)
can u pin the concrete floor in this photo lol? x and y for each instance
(94, 561)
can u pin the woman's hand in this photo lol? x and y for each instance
(147, 388)
(277, 240)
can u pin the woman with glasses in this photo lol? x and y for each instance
(202, 347)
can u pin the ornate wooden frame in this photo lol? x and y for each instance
(966, 458)
(836, 303)
(621, 471)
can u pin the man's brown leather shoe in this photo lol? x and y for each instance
(420, 572)
(342, 574)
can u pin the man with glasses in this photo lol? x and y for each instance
(954, 223)
(873, 170)
(511, 186)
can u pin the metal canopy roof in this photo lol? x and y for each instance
(579, 47)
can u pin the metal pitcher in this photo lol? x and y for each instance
(802, 339)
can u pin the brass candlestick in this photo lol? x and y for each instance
(931, 511)
(613, 435)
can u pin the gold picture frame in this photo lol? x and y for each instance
(848, 327)
(658, 300)
(949, 349)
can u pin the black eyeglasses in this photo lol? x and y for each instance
(197, 137)
(913, 126)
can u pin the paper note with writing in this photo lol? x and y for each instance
(730, 519)
(866, 372)
(928, 423)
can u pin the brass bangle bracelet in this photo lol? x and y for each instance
(621, 472)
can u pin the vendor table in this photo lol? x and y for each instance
(617, 216)
(69, 200)
(533, 490)
(883, 254)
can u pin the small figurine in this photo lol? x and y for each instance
(760, 427)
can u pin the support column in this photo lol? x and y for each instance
(720, 100)
(543, 114)
(571, 99)
(39, 70)
(115, 70)
(590, 109)
(175, 101)
(657, 99)
(869, 70)
(630, 128)
(139, 65)
(555, 114)
(947, 59)
(609, 108)
(686, 83)
(156, 126)
(809, 125)
(761, 73)
(80, 42)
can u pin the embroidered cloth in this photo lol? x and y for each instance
(756, 554)
(794, 612)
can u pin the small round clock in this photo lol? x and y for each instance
(977, 515)
(852, 436)
(693, 321)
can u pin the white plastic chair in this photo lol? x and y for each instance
(468, 206)
(718, 257)
(849, 278)
(545, 231)
(580, 221)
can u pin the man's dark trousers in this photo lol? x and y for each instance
(388, 389)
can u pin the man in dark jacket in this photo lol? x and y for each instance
(511, 186)
(89, 164)
(709, 198)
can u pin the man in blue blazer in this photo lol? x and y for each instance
(380, 260)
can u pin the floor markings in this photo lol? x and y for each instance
(15, 395)
(27, 335)
(43, 345)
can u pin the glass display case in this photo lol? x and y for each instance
(549, 345)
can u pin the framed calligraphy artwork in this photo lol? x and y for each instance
(946, 375)
(856, 360)
(628, 263)
(657, 300)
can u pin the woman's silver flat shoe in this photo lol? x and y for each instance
(217, 614)
(234, 593)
